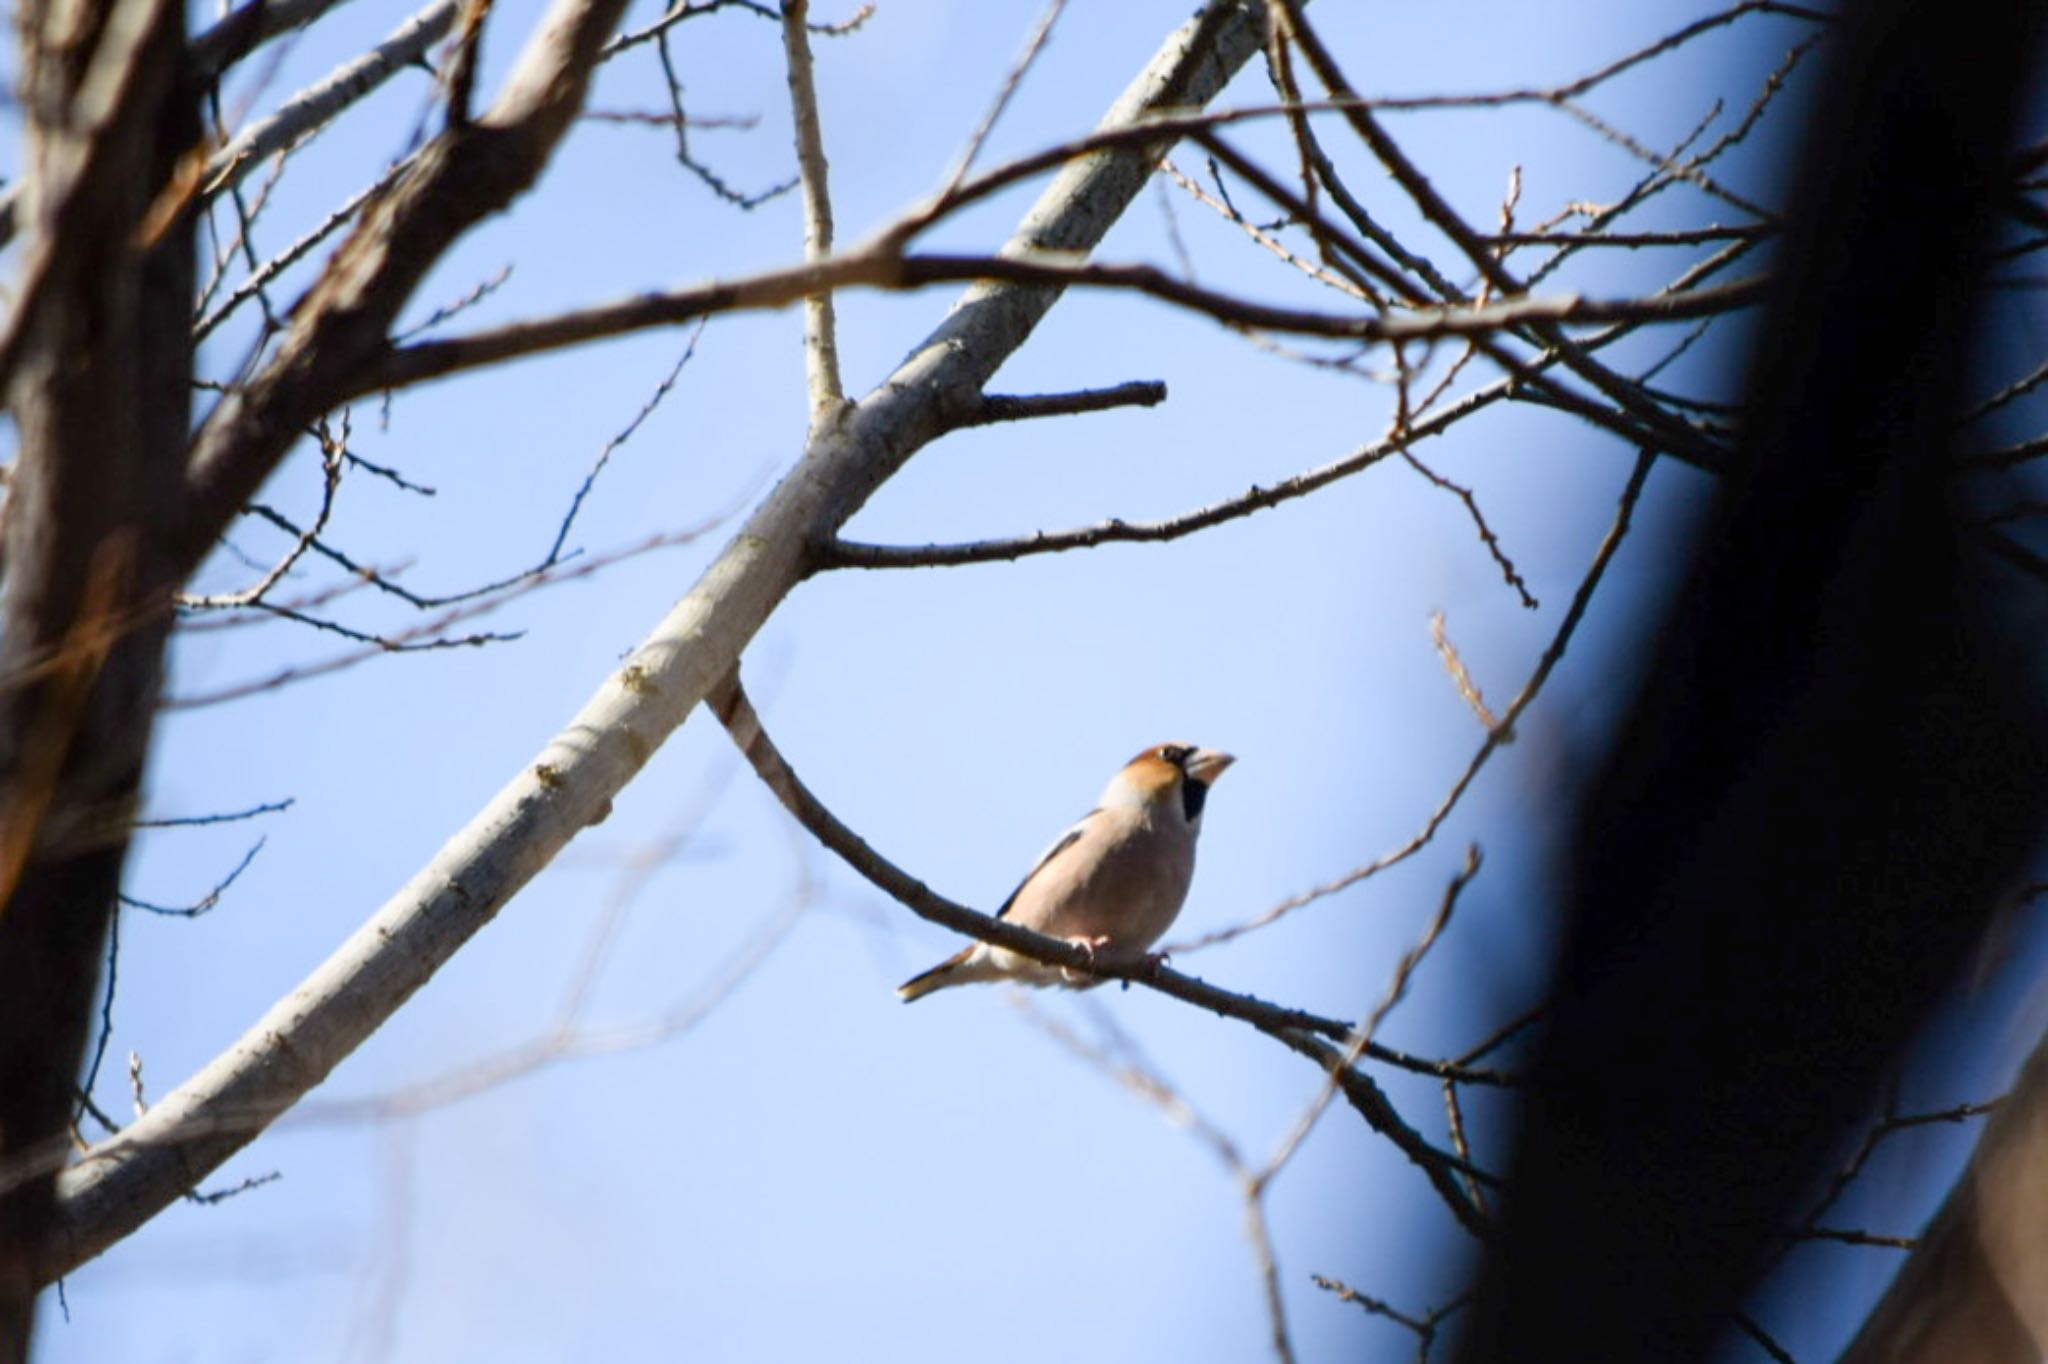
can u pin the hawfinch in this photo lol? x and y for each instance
(1113, 882)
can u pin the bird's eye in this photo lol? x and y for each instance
(1177, 754)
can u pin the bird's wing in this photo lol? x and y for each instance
(1060, 845)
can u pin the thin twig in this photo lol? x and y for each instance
(106, 1029)
(880, 268)
(681, 123)
(1128, 1070)
(686, 10)
(1033, 45)
(1499, 735)
(996, 407)
(1461, 678)
(597, 467)
(821, 329)
(1486, 534)
(427, 635)
(1397, 990)
(1297, 1028)
(1425, 1327)
(333, 449)
(1851, 1237)
(204, 904)
(1884, 1130)
(1503, 1035)
(227, 817)
(253, 286)
(1749, 1326)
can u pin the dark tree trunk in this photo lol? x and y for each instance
(101, 394)
(1836, 765)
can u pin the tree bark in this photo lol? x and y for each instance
(100, 391)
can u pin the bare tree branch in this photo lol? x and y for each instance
(821, 328)
(999, 407)
(1976, 1285)
(873, 268)
(572, 781)
(249, 27)
(255, 23)
(469, 171)
(1500, 734)
(1300, 1031)
(318, 103)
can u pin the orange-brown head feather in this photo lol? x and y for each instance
(1152, 774)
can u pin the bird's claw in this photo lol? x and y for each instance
(1090, 948)
(1099, 951)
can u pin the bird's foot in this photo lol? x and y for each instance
(1091, 948)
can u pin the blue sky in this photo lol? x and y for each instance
(814, 1170)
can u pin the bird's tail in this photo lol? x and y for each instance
(962, 968)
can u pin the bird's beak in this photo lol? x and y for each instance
(1207, 764)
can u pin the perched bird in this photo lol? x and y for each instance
(1112, 883)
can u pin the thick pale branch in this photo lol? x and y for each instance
(572, 781)
(318, 103)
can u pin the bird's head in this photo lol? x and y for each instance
(1173, 776)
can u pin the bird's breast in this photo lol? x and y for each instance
(1128, 890)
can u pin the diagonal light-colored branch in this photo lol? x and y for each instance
(571, 782)
(318, 103)
(250, 26)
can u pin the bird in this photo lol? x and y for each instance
(1112, 883)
